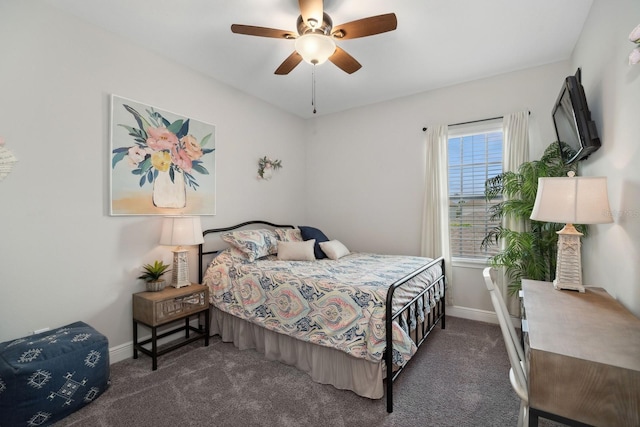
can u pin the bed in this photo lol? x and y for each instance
(352, 320)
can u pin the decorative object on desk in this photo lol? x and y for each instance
(153, 275)
(171, 158)
(181, 230)
(7, 159)
(571, 200)
(266, 166)
(634, 37)
(531, 253)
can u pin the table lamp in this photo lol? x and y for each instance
(571, 200)
(181, 231)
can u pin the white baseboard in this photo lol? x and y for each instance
(121, 352)
(472, 314)
(478, 315)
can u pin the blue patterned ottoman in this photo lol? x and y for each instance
(45, 377)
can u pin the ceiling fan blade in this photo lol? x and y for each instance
(289, 64)
(366, 27)
(311, 9)
(250, 30)
(344, 61)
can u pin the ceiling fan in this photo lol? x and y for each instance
(316, 35)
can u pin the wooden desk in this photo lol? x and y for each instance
(583, 356)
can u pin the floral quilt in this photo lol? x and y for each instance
(333, 303)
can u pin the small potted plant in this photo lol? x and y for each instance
(153, 275)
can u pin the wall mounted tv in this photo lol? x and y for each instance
(575, 130)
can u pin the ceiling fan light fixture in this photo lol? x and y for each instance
(315, 48)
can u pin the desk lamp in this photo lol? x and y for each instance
(181, 230)
(571, 200)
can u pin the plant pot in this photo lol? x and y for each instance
(155, 286)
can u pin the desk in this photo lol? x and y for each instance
(583, 356)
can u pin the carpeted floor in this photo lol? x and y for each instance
(460, 378)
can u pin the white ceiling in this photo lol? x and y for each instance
(437, 43)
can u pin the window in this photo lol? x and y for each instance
(475, 155)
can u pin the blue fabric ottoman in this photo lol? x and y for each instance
(47, 376)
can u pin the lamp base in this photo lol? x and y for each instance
(180, 274)
(569, 263)
(571, 286)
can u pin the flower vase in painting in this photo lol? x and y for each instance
(169, 193)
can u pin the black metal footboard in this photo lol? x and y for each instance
(422, 329)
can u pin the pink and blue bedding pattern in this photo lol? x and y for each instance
(333, 303)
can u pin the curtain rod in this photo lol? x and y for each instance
(424, 129)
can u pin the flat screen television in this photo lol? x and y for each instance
(575, 130)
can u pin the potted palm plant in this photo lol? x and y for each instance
(152, 275)
(529, 254)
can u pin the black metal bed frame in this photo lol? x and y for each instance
(423, 328)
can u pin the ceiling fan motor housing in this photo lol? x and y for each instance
(322, 28)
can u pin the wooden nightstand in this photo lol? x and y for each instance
(154, 309)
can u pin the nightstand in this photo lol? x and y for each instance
(155, 309)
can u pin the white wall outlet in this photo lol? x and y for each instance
(37, 331)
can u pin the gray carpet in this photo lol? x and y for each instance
(460, 378)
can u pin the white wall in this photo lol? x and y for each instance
(365, 167)
(62, 257)
(611, 254)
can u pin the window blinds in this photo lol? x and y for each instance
(473, 158)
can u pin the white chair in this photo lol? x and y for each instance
(517, 374)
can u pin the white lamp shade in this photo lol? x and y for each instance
(181, 230)
(315, 48)
(572, 200)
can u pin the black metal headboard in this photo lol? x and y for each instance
(202, 253)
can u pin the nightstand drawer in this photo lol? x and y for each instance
(180, 306)
(157, 308)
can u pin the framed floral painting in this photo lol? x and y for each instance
(161, 163)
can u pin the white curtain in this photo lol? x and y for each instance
(435, 214)
(515, 128)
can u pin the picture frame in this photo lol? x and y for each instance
(160, 163)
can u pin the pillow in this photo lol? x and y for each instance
(237, 254)
(296, 251)
(289, 234)
(309, 233)
(254, 243)
(334, 249)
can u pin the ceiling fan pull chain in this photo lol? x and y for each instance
(313, 88)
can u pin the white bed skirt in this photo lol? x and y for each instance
(324, 365)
